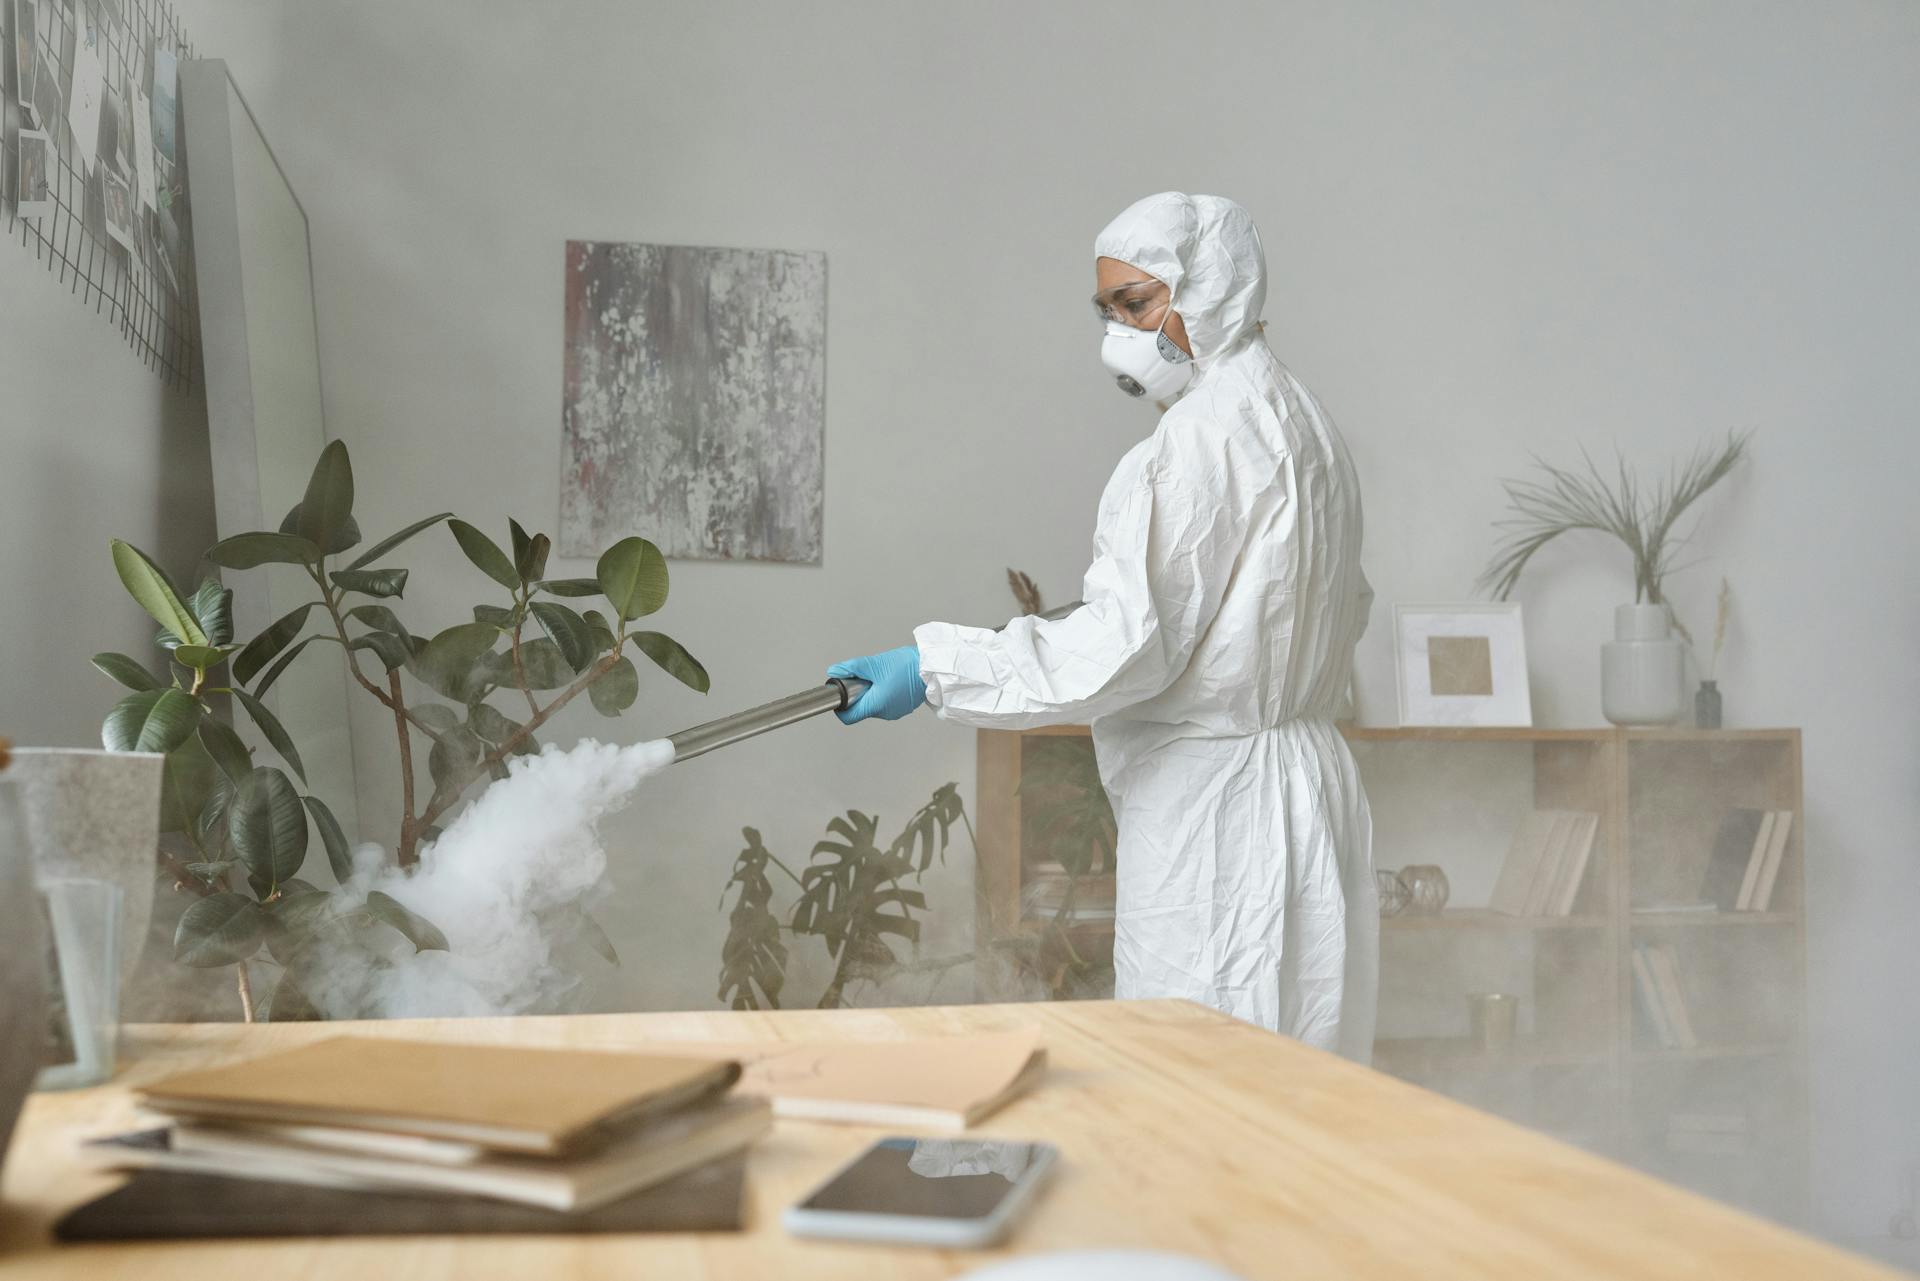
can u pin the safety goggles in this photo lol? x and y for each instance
(1137, 303)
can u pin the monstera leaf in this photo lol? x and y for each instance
(753, 961)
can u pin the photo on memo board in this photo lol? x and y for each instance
(1462, 665)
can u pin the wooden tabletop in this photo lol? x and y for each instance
(1180, 1129)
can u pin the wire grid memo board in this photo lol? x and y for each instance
(108, 215)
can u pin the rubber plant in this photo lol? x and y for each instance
(238, 830)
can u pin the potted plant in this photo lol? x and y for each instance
(236, 830)
(1642, 679)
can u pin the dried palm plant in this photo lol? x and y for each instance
(1645, 518)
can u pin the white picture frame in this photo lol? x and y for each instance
(1475, 677)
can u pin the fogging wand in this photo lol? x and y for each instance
(836, 695)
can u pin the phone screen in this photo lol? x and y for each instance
(928, 1178)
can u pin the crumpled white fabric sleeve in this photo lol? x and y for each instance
(1163, 553)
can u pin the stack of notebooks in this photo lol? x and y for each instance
(1662, 1003)
(1047, 889)
(561, 1131)
(1546, 863)
(1745, 862)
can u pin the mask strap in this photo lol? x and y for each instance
(1160, 339)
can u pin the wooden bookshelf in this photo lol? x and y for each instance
(1583, 1063)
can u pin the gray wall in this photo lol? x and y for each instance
(1494, 228)
(96, 448)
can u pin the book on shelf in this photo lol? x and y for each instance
(1048, 889)
(1656, 975)
(1744, 865)
(1776, 853)
(1651, 1004)
(1726, 867)
(1546, 863)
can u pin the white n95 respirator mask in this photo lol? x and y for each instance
(1143, 363)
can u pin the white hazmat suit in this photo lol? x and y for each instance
(1216, 641)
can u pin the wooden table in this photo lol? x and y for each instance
(1180, 1129)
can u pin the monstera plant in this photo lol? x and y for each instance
(854, 898)
(237, 830)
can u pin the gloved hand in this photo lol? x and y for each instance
(896, 687)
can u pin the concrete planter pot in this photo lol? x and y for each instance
(1642, 669)
(95, 815)
(23, 965)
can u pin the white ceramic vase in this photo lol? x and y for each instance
(23, 965)
(1642, 669)
(95, 815)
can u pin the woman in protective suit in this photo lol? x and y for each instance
(1215, 642)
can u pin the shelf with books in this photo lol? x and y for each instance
(1660, 802)
(1414, 1052)
(1480, 918)
(1693, 1053)
(1708, 920)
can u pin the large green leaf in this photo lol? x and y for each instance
(496, 615)
(339, 853)
(545, 666)
(328, 502)
(422, 933)
(485, 554)
(212, 607)
(249, 551)
(200, 657)
(220, 929)
(569, 631)
(673, 659)
(529, 552)
(493, 728)
(276, 732)
(126, 670)
(633, 576)
(393, 651)
(226, 750)
(448, 661)
(371, 582)
(153, 720)
(392, 541)
(186, 780)
(268, 826)
(569, 586)
(437, 717)
(260, 650)
(615, 690)
(285, 661)
(453, 758)
(597, 624)
(149, 585)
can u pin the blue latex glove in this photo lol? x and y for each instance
(896, 687)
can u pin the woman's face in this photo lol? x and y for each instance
(1132, 297)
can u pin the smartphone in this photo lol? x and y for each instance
(953, 1193)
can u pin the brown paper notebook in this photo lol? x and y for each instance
(508, 1098)
(162, 1204)
(946, 1083)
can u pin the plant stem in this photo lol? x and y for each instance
(446, 797)
(406, 854)
(783, 867)
(520, 672)
(246, 992)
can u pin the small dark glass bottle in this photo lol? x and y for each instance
(1706, 706)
